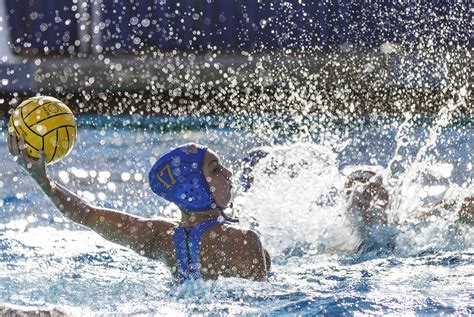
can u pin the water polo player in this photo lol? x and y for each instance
(367, 201)
(204, 244)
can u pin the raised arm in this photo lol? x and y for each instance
(140, 234)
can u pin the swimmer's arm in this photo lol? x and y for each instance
(66, 201)
(465, 213)
(268, 260)
(142, 235)
(139, 234)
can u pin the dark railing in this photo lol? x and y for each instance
(127, 26)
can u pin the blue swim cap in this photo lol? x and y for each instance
(177, 176)
(248, 163)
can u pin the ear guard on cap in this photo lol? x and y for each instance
(177, 176)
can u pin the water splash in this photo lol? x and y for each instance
(295, 201)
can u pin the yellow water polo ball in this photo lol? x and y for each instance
(46, 124)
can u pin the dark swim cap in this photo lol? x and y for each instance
(249, 162)
(177, 176)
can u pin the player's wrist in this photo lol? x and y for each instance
(44, 182)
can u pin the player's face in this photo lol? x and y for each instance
(218, 178)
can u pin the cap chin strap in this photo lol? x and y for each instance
(226, 217)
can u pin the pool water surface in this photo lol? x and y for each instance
(299, 210)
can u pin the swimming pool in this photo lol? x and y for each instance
(298, 210)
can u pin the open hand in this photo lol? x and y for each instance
(36, 168)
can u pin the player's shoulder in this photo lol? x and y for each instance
(238, 234)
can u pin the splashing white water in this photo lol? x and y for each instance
(296, 200)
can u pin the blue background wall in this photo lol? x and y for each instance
(126, 26)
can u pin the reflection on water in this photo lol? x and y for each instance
(297, 204)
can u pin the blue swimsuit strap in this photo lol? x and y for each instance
(187, 244)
